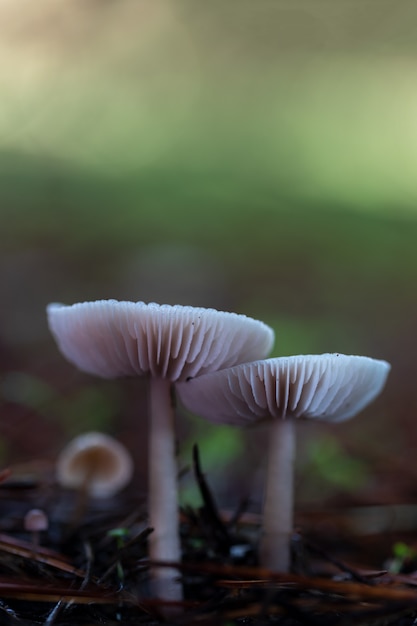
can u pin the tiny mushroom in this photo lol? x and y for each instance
(332, 387)
(35, 521)
(167, 344)
(95, 463)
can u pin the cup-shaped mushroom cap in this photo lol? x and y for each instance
(330, 387)
(96, 462)
(113, 339)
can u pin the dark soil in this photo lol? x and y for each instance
(91, 567)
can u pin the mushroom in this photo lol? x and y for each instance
(331, 387)
(35, 522)
(95, 463)
(167, 344)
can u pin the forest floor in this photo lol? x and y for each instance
(90, 566)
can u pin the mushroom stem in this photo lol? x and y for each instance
(164, 541)
(274, 551)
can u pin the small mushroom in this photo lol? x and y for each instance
(165, 343)
(332, 387)
(35, 522)
(95, 463)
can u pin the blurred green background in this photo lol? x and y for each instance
(250, 156)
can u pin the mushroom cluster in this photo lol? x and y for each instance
(214, 359)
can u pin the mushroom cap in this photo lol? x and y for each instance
(330, 387)
(97, 462)
(114, 339)
(35, 520)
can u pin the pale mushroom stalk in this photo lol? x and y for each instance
(164, 542)
(274, 549)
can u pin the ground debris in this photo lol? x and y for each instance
(95, 571)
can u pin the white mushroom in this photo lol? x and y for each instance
(331, 387)
(167, 344)
(96, 463)
(35, 522)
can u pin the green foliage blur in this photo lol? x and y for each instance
(257, 157)
(335, 466)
